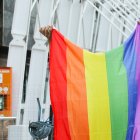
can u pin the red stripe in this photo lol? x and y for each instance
(58, 86)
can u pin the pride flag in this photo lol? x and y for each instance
(95, 96)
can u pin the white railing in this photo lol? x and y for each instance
(96, 25)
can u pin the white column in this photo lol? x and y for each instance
(75, 12)
(38, 65)
(103, 32)
(115, 35)
(138, 4)
(62, 15)
(86, 29)
(17, 50)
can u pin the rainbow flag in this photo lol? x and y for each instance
(95, 96)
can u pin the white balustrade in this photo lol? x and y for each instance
(38, 64)
(86, 27)
(17, 50)
(73, 26)
(62, 16)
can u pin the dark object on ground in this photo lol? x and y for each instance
(40, 130)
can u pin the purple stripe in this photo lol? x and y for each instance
(136, 134)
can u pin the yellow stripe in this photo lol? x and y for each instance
(97, 96)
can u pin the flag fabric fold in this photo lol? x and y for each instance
(95, 96)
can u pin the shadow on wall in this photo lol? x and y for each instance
(3, 56)
(8, 10)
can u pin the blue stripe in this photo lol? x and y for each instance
(130, 64)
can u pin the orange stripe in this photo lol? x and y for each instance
(76, 93)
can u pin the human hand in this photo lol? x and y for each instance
(46, 31)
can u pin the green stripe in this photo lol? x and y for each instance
(118, 93)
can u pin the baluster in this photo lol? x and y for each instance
(62, 15)
(86, 29)
(38, 64)
(103, 32)
(18, 49)
(75, 11)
